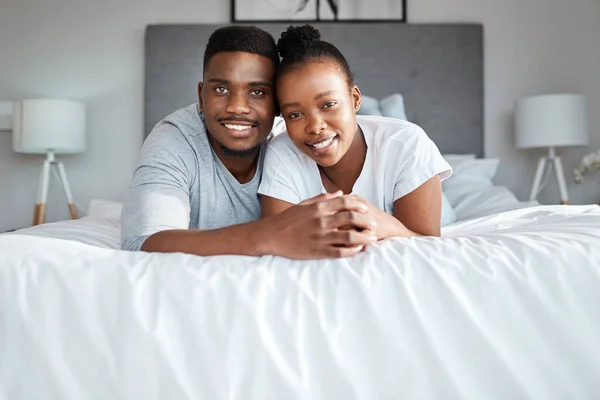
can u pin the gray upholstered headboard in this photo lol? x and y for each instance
(438, 68)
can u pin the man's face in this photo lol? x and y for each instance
(238, 102)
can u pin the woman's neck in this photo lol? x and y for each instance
(343, 175)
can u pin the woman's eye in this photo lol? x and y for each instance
(329, 104)
(293, 115)
(221, 89)
(257, 92)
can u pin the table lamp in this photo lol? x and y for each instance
(551, 121)
(49, 126)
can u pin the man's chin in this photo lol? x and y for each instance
(242, 153)
(238, 148)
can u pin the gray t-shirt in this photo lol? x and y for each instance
(180, 183)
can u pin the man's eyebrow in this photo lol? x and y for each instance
(261, 83)
(253, 84)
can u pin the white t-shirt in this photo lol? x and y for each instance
(400, 158)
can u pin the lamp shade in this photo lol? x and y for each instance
(557, 120)
(47, 125)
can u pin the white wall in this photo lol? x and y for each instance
(531, 47)
(93, 51)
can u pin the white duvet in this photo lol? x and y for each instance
(501, 307)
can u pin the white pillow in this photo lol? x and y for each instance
(105, 209)
(470, 171)
(454, 158)
(471, 191)
(448, 214)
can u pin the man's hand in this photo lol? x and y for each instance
(318, 228)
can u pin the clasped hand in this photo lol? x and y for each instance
(330, 225)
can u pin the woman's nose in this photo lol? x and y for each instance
(315, 125)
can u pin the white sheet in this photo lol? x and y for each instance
(503, 307)
(100, 232)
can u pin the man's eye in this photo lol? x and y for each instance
(329, 104)
(294, 115)
(257, 92)
(221, 89)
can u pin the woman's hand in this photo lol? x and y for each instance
(386, 225)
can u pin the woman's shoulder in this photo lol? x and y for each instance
(395, 132)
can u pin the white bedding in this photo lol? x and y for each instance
(502, 307)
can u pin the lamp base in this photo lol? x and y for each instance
(39, 212)
(550, 160)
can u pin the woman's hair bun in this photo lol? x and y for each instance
(295, 36)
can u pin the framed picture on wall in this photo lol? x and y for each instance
(317, 10)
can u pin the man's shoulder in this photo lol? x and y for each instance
(182, 128)
(187, 121)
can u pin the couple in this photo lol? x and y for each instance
(207, 172)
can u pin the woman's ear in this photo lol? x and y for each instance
(356, 97)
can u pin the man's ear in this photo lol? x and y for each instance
(200, 84)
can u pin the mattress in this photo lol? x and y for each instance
(501, 307)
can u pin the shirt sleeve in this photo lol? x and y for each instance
(158, 197)
(422, 162)
(277, 180)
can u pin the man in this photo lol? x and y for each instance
(195, 190)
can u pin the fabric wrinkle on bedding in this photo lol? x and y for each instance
(503, 306)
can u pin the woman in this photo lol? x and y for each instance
(390, 163)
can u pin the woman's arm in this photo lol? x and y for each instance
(417, 213)
(420, 211)
(272, 206)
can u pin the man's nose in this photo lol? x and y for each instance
(238, 104)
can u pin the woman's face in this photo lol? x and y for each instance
(319, 109)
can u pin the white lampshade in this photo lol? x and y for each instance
(556, 120)
(47, 125)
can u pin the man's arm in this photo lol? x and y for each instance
(312, 229)
(158, 198)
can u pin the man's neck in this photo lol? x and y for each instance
(243, 168)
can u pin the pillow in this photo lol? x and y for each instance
(393, 107)
(472, 171)
(448, 214)
(455, 158)
(471, 191)
(278, 126)
(369, 106)
(487, 201)
(105, 209)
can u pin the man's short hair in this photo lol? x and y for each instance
(248, 39)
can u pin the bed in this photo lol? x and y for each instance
(504, 306)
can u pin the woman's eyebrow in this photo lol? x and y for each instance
(291, 104)
(327, 93)
(317, 97)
